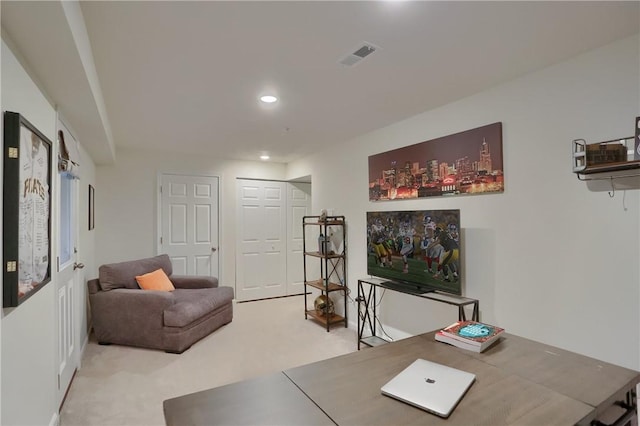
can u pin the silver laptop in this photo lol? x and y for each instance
(433, 387)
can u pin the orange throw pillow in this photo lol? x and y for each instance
(156, 280)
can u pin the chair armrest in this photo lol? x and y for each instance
(193, 281)
(94, 286)
(129, 316)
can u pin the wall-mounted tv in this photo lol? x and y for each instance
(419, 249)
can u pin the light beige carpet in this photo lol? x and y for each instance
(119, 385)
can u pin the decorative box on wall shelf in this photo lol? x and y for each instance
(331, 255)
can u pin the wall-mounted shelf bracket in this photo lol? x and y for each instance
(611, 161)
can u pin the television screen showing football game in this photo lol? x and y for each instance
(420, 248)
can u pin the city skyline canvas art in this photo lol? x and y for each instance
(469, 162)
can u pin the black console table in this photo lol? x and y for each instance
(367, 299)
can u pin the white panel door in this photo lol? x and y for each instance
(68, 274)
(298, 206)
(189, 223)
(261, 239)
(67, 346)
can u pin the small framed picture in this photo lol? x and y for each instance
(636, 155)
(92, 213)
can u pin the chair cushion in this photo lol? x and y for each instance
(123, 274)
(192, 304)
(156, 280)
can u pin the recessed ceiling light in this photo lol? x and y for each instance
(264, 157)
(268, 99)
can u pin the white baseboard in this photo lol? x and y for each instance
(82, 349)
(55, 420)
(389, 331)
(396, 334)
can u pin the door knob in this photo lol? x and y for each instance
(78, 266)
(213, 249)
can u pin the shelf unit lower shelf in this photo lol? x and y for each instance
(373, 341)
(333, 319)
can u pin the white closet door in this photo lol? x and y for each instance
(261, 264)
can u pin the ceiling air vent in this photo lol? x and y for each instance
(360, 53)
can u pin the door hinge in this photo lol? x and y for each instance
(161, 189)
(58, 262)
(160, 240)
(58, 382)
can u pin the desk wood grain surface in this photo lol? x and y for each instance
(518, 381)
(268, 400)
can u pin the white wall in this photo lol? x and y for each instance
(28, 332)
(126, 202)
(28, 346)
(86, 249)
(548, 259)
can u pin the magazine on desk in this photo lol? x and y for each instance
(471, 335)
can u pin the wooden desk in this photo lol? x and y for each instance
(518, 381)
(268, 400)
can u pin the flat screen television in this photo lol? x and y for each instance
(418, 250)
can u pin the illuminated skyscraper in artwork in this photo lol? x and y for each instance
(485, 157)
(390, 176)
(432, 170)
(464, 166)
(443, 170)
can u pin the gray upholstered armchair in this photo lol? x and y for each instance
(170, 320)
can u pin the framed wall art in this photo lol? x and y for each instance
(468, 162)
(92, 213)
(26, 210)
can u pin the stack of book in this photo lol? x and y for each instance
(471, 335)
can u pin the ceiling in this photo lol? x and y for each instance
(186, 76)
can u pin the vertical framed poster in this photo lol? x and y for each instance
(26, 210)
